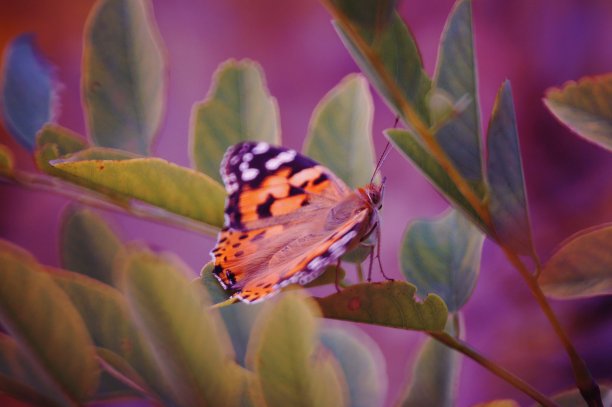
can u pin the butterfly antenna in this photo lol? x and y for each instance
(382, 159)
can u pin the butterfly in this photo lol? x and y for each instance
(287, 217)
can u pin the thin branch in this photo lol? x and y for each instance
(582, 376)
(491, 366)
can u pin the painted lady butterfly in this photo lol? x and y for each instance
(286, 218)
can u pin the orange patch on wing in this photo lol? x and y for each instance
(287, 205)
(305, 179)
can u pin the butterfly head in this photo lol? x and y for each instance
(372, 194)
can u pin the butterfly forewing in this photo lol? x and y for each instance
(287, 217)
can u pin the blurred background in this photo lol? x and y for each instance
(535, 44)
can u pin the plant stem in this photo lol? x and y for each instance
(497, 370)
(88, 197)
(584, 381)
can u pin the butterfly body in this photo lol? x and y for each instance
(286, 218)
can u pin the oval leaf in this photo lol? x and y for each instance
(124, 75)
(361, 361)
(282, 355)
(187, 339)
(435, 374)
(340, 132)
(7, 161)
(389, 304)
(387, 54)
(407, 143)
(46, 326)
(88, 245)
(456, 75)
(66, 140)
(508, 198)
(29, 92)
(155, 181)
(18, 377)
(239, 107)
(106, 316)
(581, 267)
(585, 107)
(442, 256)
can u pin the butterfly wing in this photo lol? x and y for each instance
(283, 211)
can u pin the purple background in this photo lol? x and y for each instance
(535, 44)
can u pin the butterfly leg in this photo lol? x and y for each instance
(337, 281)
(371, 264)
(378, 256)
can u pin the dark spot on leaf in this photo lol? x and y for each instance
(354, 304)
(101, 167)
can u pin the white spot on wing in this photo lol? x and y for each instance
(261, 148)
(281, 158)
(250, 174)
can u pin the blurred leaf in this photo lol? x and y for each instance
(361, 361)
(508, 200)
(585, 107)
(124, 75)
(442, 256)
(371, 14)
(187, 338)
(408, 144)
(358, 254)
(282, 354)
(456, 75)
(340, 132)
(435, 374)
(498, 403)
(46, 326)
(66, 140)
(88, 245)
(388, 55)
(54, 141)
(106, 316)
(118, 378)
(238, 318)
(29, 97)
(389, 304)
(18, 377)
(155, 181)
(238, 107)
(581, 266)
(7, 161)
(573, 398)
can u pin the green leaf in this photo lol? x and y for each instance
(585, 107)
(124, 75)
(155, 181)
(88, 245)
(371, 14)
(442, 256)
(119, 379)
(187, 338)
(238, 318)
(238, 107)
(7, 161)
(18, 376)
(107, 318)
(66, 140)
(46, 326)
(389, 304)
(581, 266)
(388, 55)
(508, 198)
(456, 75)
(29, 91)
(362, 363)
(407, 143)
(573, 398)
(435, 374)
(282, 355)
(340, 132)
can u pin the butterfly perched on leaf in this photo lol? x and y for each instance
(286, 218)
